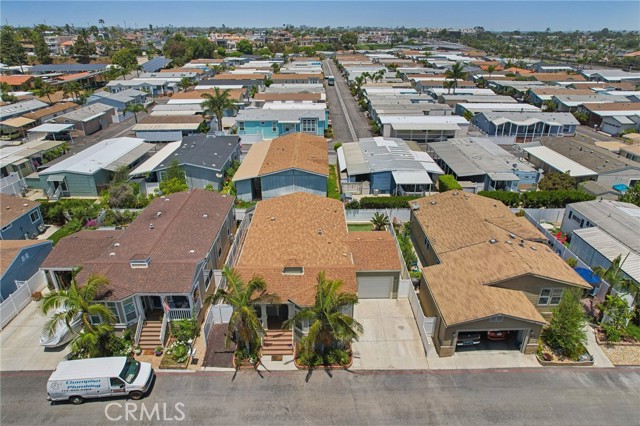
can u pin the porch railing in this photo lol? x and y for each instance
(139, 329)
(163, 330)
(178, 314)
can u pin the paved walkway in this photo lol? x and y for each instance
(391, 339)
(217, 355)
(20, 343)
(599, 357)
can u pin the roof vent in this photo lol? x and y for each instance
(158, 214)
(455, 192)
(433, 202)
(25, 205)
(415, 206)
(319, 231)
(192, 251)
(151, 226)
(508, 242)
(521, 243)
(205, 216)
(116, 245)
(112, 254)
(512, 236)
(493, 241)
(273, 218)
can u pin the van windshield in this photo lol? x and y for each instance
(130, 370)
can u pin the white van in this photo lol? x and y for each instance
(82, 379)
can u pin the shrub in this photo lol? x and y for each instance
(447, 183)
(557, 181)
(612, 333)
(185, 329)
(565, 332)
(511, 199)
(554, 199)
(337, 145)
(385, 202)
(352, 205)
(617, 314)
(572, 262)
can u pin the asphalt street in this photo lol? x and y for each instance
(490, 397)
(343, 108)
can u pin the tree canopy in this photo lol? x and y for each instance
(557, 181)
(245, 46)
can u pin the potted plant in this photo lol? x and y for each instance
(158, 351)
(138, 350)
(36, 295)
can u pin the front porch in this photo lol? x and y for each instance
(277, 341)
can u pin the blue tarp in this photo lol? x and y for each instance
(589, 276)
(621, 187)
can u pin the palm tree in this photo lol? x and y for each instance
(276, 67)
(614, 276)
(42, 89)
(448, 85)
(72, 88)
(217, 104)
(328, 325)
(185, 83)
(455, 73)
(244, 322)
(135, 109)
(380, 221)
(491, 69)
(79, 301)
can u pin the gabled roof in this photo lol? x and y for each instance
(301, 151)
(10, 249)
(12, 207)
(15, 80)
(56, 108)
(481, 244)
(176, 232)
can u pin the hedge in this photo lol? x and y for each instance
(385, 202)
(548, 199)
(447, 183)
(511, 199)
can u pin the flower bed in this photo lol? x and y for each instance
(335, 359)
(243, 361)
(549, 357)
(625, 352)
(175, 356)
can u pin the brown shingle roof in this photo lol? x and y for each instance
(466, 284)
(15, 80)
(171, 119)
(12, 208)
(59, 107)
(295, 76)
(287, 97)
(556, 76)
(560, 91)
(303, 230)
(185, 226)
(298, 151)
(613, 106)
(374, 251)
(9, 249)
(235, 94)
(248, 76)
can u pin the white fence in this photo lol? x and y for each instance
(544, 215)
(365, 215)
(12, 184)
(426, 325)
(217, 314)
(19, 299)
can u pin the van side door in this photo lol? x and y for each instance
(117, 386)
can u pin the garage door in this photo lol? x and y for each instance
(374, 287)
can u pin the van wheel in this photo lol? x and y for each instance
(136, 395)
(76, 400)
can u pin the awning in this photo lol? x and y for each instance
(130, 157)
(417, 177)
(55, 178)
(342, 162)
(17, 122)
(503, 177)
(155, 160)
(51, 128)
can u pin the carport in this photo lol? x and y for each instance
(56, 131)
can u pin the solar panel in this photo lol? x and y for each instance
(68, 68)
(155, 64)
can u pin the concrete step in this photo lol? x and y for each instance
(277, 351)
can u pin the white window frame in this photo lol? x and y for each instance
(37, 213)
(124, 309)
(543, 300)
(556, 293)
(552, 298)
(309, 125)
(9, 226)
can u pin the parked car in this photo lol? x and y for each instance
(82, 379)
(497, 335)
(468, 339)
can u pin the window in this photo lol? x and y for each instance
(114, 382)
(113, 307)
(556, 295)
(496, 318)
(550, 296)
(309, 125)
(545, 293)
(570, 214)
(130, 313)
(219, 252)
(262, 123)
(426, 243)
(6, 227)
(34, 216)
(293, 270)
(24, 257)
(241, 126)
(274, 126)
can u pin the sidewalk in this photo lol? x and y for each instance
(600, 360)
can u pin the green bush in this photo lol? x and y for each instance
(572, 262)
(565, 332)
(385, 202)
(612, 332)
(554, 199)
(185, 329)
(447, 183)
(53, 212)
(511, 199)
(352, 205)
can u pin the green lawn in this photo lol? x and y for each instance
(61, 233)
(332, 184)
(355, 227)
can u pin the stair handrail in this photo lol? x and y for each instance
(163, 330)
(139, 329)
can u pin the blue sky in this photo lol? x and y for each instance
(492, 15)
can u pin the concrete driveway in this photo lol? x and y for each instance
(20, 343)
(391, 339)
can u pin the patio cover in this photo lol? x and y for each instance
(55, 178)
(17, 122)
(51, 128)
(406, 177)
